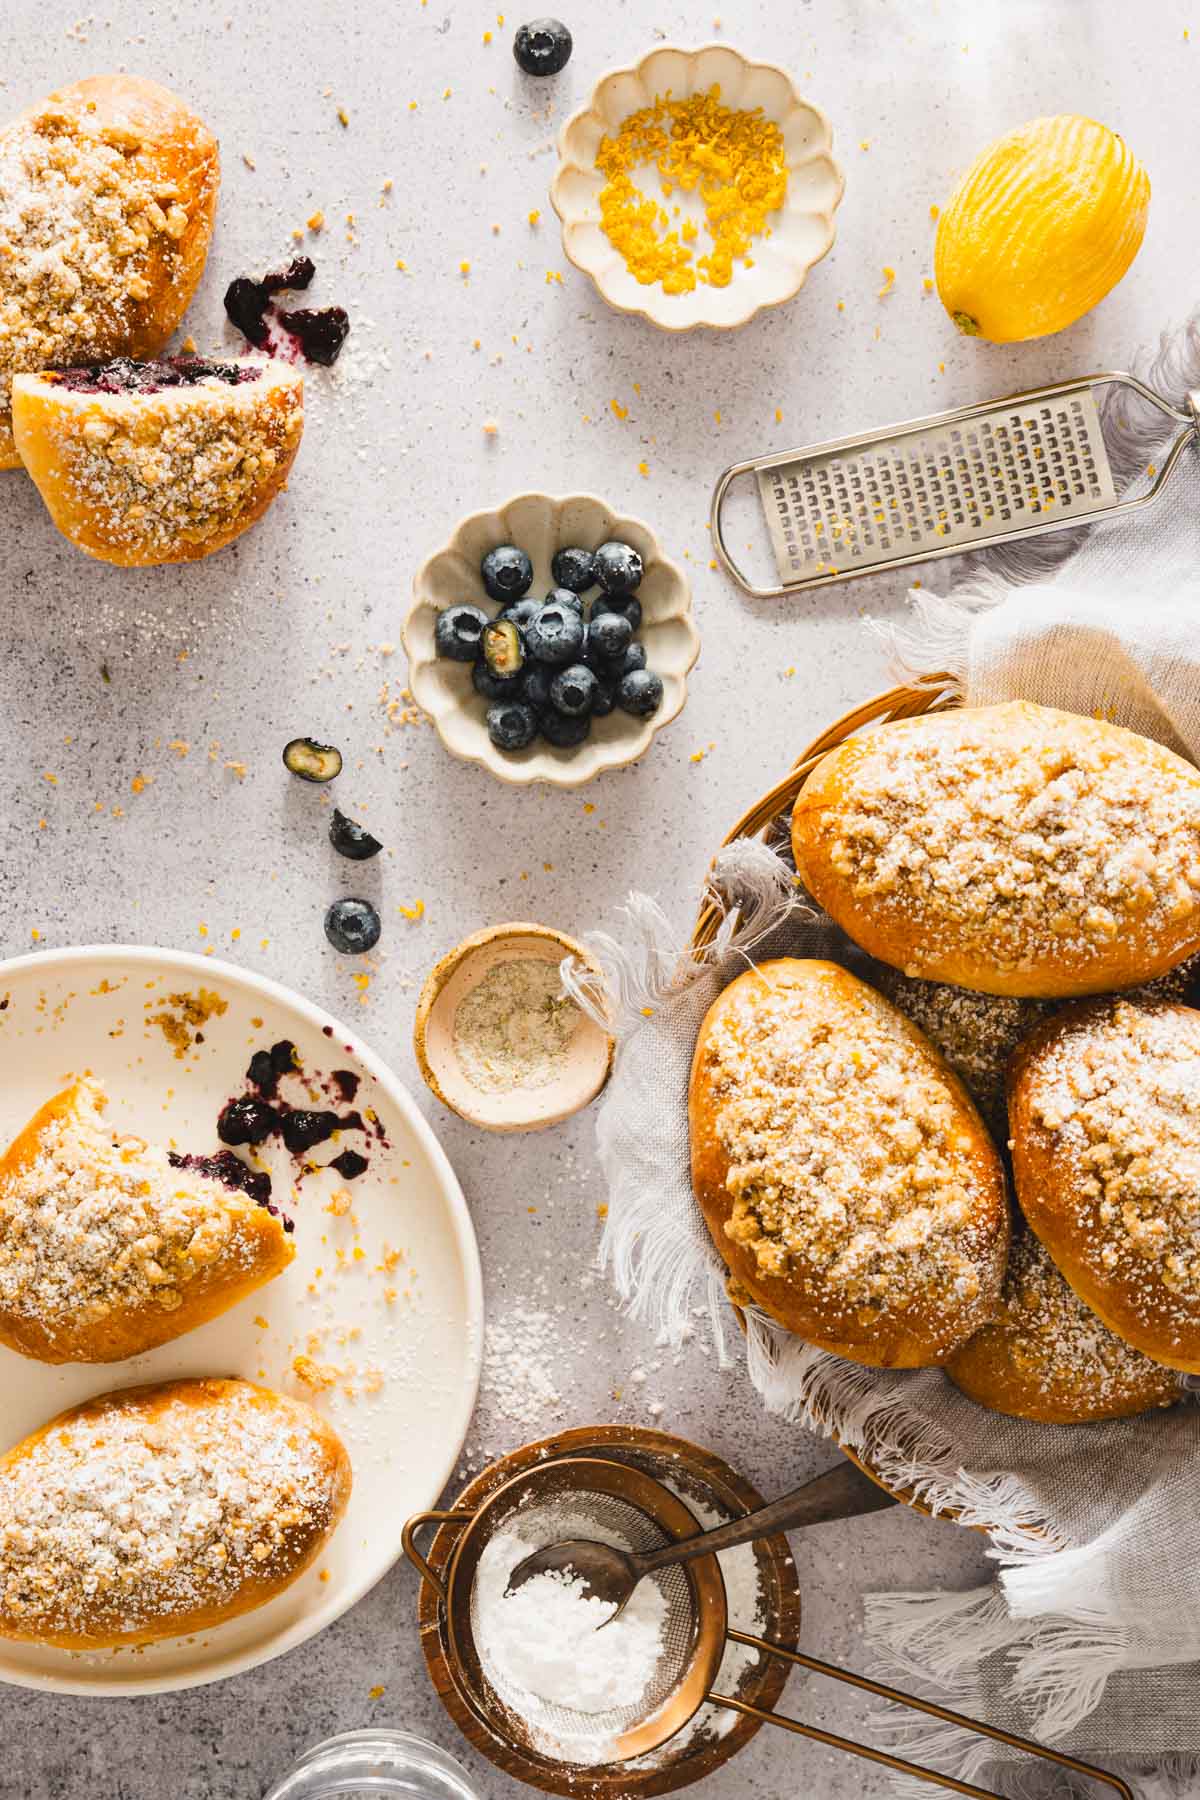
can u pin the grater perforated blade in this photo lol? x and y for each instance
(979, 475)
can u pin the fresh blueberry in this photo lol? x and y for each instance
(503, 649)
(562, 596)
(605, 698)
(634, 658)
(507, 573)
(625, 604)
(609, 636)
(352, 926)
(542, 47)
(618, 567)
(491, 686)
(521, 611)
(511, 724)
(352, 840)
(458, 631)
(563, 731)
(535, 687)
(555, 636)
(575, 569)
(640, 693)
(573, 690)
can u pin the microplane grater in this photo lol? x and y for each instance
(991, 473)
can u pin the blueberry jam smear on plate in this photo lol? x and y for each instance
(121, 375)
(549, 667)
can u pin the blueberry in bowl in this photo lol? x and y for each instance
(573, 691)
(609, 636)
(574, 568)
(619, 568)
(507, 573)
(512, 724)
(459, 632)
(555, 634)
(640, 693)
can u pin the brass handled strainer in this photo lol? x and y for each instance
(577, 1495)
(968, 479)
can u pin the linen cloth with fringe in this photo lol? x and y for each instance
(1090, 1636)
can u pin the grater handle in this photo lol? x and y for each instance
(898, 1698)
(716, 527)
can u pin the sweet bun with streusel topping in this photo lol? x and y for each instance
(844, 1173)
(1104, 1114)
(1013, 849)
(1046, 1355)
(110, 1246)
(108, 192)
(162, 1511)
(159, 462)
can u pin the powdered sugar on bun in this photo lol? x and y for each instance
(162, 1510)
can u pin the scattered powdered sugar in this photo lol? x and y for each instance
(519, 1357)
(544, 1642)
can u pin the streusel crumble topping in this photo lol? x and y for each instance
(846, 1153)
(97, 1221)
(145, 1516)
(1054, 1341)
(1120, 1094)
(178, 466)
(79, 217)
(1024, 848)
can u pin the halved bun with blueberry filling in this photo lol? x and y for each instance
(159, 462)
(110, 1246)
(108, 192)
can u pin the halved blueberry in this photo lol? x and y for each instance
(503, 648)
(640, 693)
(555, 635)
(458, 631)
(511, 724)
(573, 690)
(351, 839)
(507, 572)
(574, 568)
(618, 567)
(312, 761)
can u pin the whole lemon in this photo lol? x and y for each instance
(1040, 227)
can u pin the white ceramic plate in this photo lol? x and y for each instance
(802, 232)
(70, 1011)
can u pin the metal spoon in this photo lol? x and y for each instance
(610, 1574)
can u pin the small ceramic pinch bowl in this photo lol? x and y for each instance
(589, 1051)
(802, 231)
(542, 524)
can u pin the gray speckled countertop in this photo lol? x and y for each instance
(282, 635)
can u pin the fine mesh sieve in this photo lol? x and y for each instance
(962, 480)
(565, 1496)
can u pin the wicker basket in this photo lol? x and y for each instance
(770, 818)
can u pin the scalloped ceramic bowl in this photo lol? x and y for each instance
(801, 232)
(542, 524)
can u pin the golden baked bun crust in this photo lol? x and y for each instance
(1013, 849)
(159, 474)
(163, 1510)
(1047, 1356)
(1104, 1109)
(844, 1174)
(107, 1249)
(108, 192)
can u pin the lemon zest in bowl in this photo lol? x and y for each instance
(735, 161)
